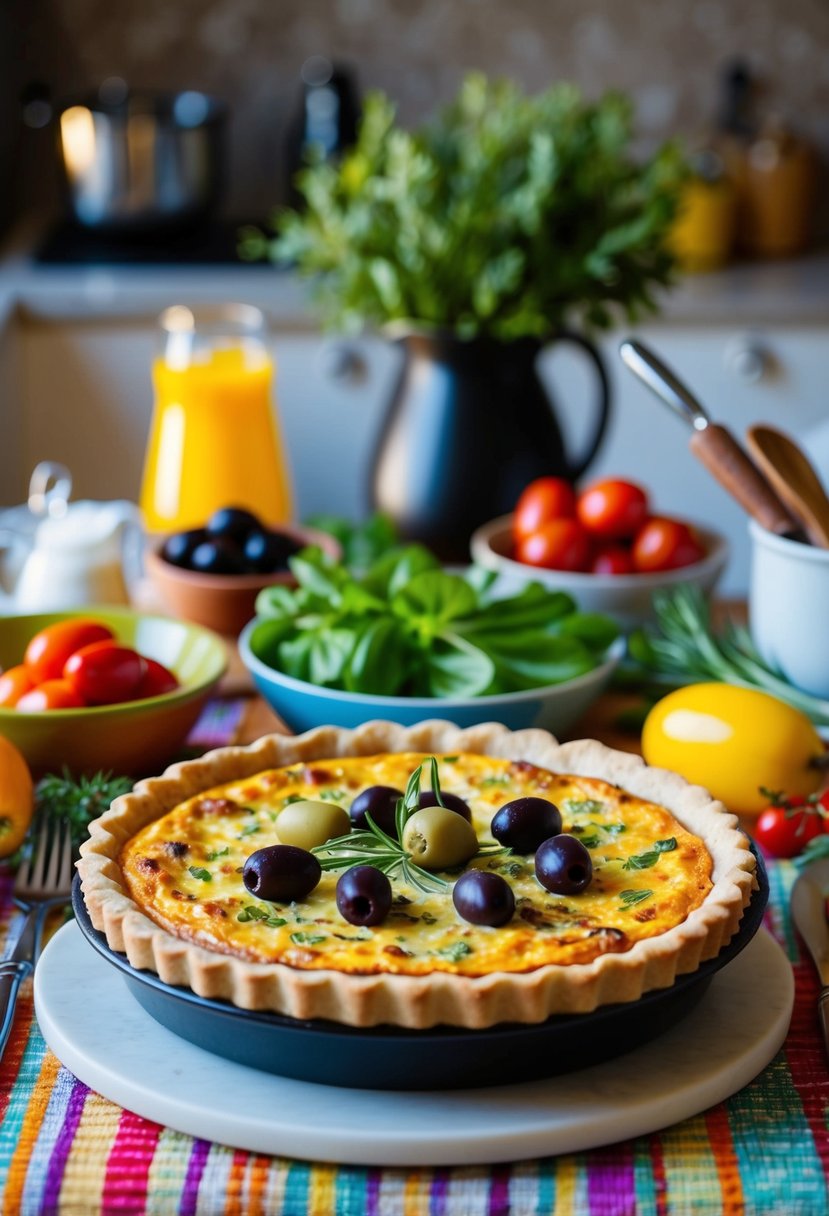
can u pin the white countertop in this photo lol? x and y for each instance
(786, 293)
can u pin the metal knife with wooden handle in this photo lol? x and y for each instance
(809, 915)
(711, 443)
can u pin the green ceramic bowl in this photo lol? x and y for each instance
(134, 737)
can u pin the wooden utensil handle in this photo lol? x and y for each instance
(723, 456)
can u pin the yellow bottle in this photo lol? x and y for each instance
(214, 437)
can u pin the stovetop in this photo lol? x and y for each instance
(211, 244)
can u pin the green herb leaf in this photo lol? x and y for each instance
(200, 873)
(302, 938)
(631, 898)
(455, 952)
(252, 912)
(77, 801)
(643, 861)
(215, 854)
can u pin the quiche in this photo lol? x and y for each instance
(166, 876)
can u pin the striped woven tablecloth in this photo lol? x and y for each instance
(63, 1148)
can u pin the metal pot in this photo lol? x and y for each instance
(136, 162)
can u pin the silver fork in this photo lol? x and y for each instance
(44, 881)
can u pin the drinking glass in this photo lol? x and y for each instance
(215, 438)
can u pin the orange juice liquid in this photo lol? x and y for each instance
(214, 442)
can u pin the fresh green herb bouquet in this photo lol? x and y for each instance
(408, 628)
(501, 217)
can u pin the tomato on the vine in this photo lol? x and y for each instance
(561, 544)
(543, 500)
(612, 509)
(782, 830)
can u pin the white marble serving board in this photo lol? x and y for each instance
(98, 1030)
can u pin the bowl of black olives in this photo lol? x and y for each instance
(213, 574)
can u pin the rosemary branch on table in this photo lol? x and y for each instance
(372, 846)
(683, 644)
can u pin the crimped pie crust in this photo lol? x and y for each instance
(438, 998)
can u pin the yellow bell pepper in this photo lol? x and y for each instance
(16, 797)
(732, 741)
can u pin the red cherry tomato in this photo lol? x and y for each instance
(561, 544)
(49, 649)
(51, 694)
(104, 672)
(612, 559)
(612, 509)
(543, 500)
(665, 544)
(784, 832)
(157, 679)
(14, 683)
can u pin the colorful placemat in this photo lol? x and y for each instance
(64, 1149)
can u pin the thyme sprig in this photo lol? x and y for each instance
(372, 846)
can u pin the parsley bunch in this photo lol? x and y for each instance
(77, 801)
(506, 215)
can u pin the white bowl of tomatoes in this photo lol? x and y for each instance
(607, 545)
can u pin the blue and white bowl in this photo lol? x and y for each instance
(302, 706)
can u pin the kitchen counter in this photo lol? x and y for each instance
(760, 293)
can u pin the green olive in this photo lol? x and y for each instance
(438, 838)
(307, 824)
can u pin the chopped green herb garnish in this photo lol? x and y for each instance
(513, 868)
(629, 898)
(583, 806)
(292, 798)
(592, 841)
(199, 872)
(455, 952)
(307, 939)
(250, 830)
(251, 912)
(215, 854)
(449, 759)
(333, 795)
(428, 919)
(490, 781)
(644, 861)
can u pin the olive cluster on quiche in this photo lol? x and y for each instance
(417, 876)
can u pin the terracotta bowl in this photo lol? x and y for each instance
(223, 602)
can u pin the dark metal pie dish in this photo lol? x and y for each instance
(444, 1057)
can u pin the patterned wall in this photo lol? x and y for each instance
(667, 53)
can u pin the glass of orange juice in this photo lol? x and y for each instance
(214, 438)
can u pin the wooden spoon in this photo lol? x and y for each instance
(789, 470)
(712, 444)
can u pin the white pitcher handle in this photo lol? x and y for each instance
(50, 488)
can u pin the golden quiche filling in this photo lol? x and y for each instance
(417, 876)
(185, 870)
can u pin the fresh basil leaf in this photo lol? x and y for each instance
(329, 655)
(318, 573)
(434, 594)
(294, 656)
(267, 636)
(455, 668)
(596, 631)
(379, 660)
(532, 659)
(276, 601)
(398, 567)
